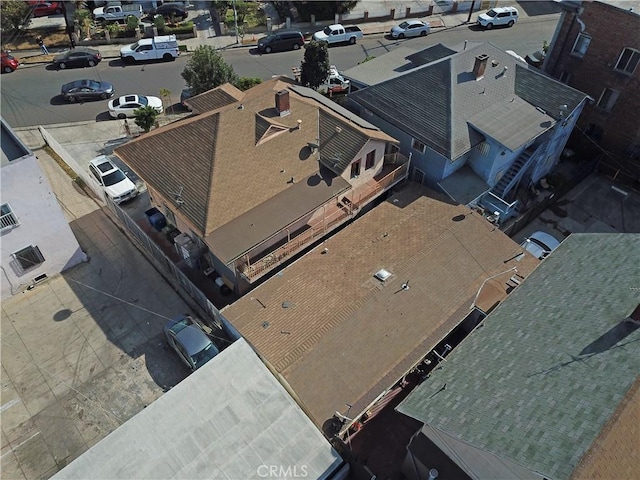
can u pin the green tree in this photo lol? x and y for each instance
(315, 65)
(14, 15)
(159, 23)
(245, 83)
(221, 7)
(242, 9)
(132, 23)
(206, 69)
(145, 117)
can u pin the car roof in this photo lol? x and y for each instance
(193, 339)
(103, 164)
(413, 22)
(504, 9)
(549, 240)
(129, 98)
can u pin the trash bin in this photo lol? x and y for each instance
(156, 218)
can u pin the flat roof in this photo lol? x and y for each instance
(229, 419)
(337, 335)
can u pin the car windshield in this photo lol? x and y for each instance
(93, 85)
(142, 100)
(327, 31)
(113, 178)
(404, 25)
(270, 37)
(204, 355)
(540, 244)
(491, 13)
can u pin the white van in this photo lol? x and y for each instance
(163, 47)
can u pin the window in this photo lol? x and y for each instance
(565, 77)
(7, 218)
(355, 169)
(371, 160)
(418, 145)
(581, 45)
(628, 61)
(608, 99)
(29, 257)
(593, 131)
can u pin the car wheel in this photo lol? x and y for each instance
(489, 26)
(122, 116)
(104, 96)
(510, 24)
(167, 57)
(423, 33)
(62, 65)
(7, 69)
(71, 98)
(401, 36)
(352, 40)
(296, 46)
(92, 63)
(267, 49)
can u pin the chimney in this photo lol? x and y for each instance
(480, 65)
(282, 102)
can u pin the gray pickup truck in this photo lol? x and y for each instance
(117, 13)
(338, 34)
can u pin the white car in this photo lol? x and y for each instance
(123, 107)
(498, 16)
(540, 244)
(411, 28)
(112, 180)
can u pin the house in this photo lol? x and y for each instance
(37, 241)
(549, 386)
(344, 324)
(256, 177)
(229, 419)
(477, 124)
(596, 49)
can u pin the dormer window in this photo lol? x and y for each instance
(628, 61)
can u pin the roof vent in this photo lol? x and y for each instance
(382, 275)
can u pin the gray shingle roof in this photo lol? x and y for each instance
(339, 142)
(431, 54)
(433, 103)
(541, 378)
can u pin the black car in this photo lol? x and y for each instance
(78, 57)
(87, 90)
(175, 10)
(282, 40)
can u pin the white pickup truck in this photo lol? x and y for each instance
(117, 13)
(338, 34)
(335, 82)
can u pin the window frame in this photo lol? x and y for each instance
(634, 54)
(578, 53)
(355, 169)
(9, 219)
(20, 255)
(418, 145)
(370, 160)
(613, 96)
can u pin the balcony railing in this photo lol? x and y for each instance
(334, 216)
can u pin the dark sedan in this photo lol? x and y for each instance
(87, 90)
(78, 57)
(175, 10)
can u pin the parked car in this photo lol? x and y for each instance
(498, 16)
(86, 90)
(126, 105)
(540, 244)
(280, 41)
(175, 10)
(43, 9)
(338, 34)
(185, 95)
(163, 47)
(113, 181)
(78, 57)
(9, 62)
(117, 13)
(411, 28)
(189, 341)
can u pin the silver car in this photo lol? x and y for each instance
(411, 28)
(189, 341)
(540, 244)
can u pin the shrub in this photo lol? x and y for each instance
(159, 23)
(132, 23)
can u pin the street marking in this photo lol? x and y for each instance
(9, 404)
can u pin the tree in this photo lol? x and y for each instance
(315, 66)
(221, 7)
(14, 15)
(206, 69)
(245, 83)
(145, 117)
(165, 93)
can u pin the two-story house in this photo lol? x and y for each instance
(596, 49)
(37, 241)
(255, 177)
(477, 124)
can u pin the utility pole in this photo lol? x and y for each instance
(235, 21)
(473, 3)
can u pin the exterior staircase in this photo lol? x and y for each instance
(512, 176)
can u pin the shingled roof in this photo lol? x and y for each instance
(337, 334)
(435, 102)
(226, 161)
(550, 379)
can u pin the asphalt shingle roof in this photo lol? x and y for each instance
(550, 365)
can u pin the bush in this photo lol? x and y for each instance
(185, 27)
(113, 29)
(159, 23)
(132, 23)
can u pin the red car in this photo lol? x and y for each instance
(9, 63)
(42, 9)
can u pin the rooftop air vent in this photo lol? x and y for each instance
(382, 275)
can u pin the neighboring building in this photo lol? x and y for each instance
(549, 386)
(37, 241)
(255, 177)
(596, 49)
(341, 336)
(479, 125)
(229, 419)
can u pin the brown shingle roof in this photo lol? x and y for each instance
(337, 334)
(214, 161)
(213, 99)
